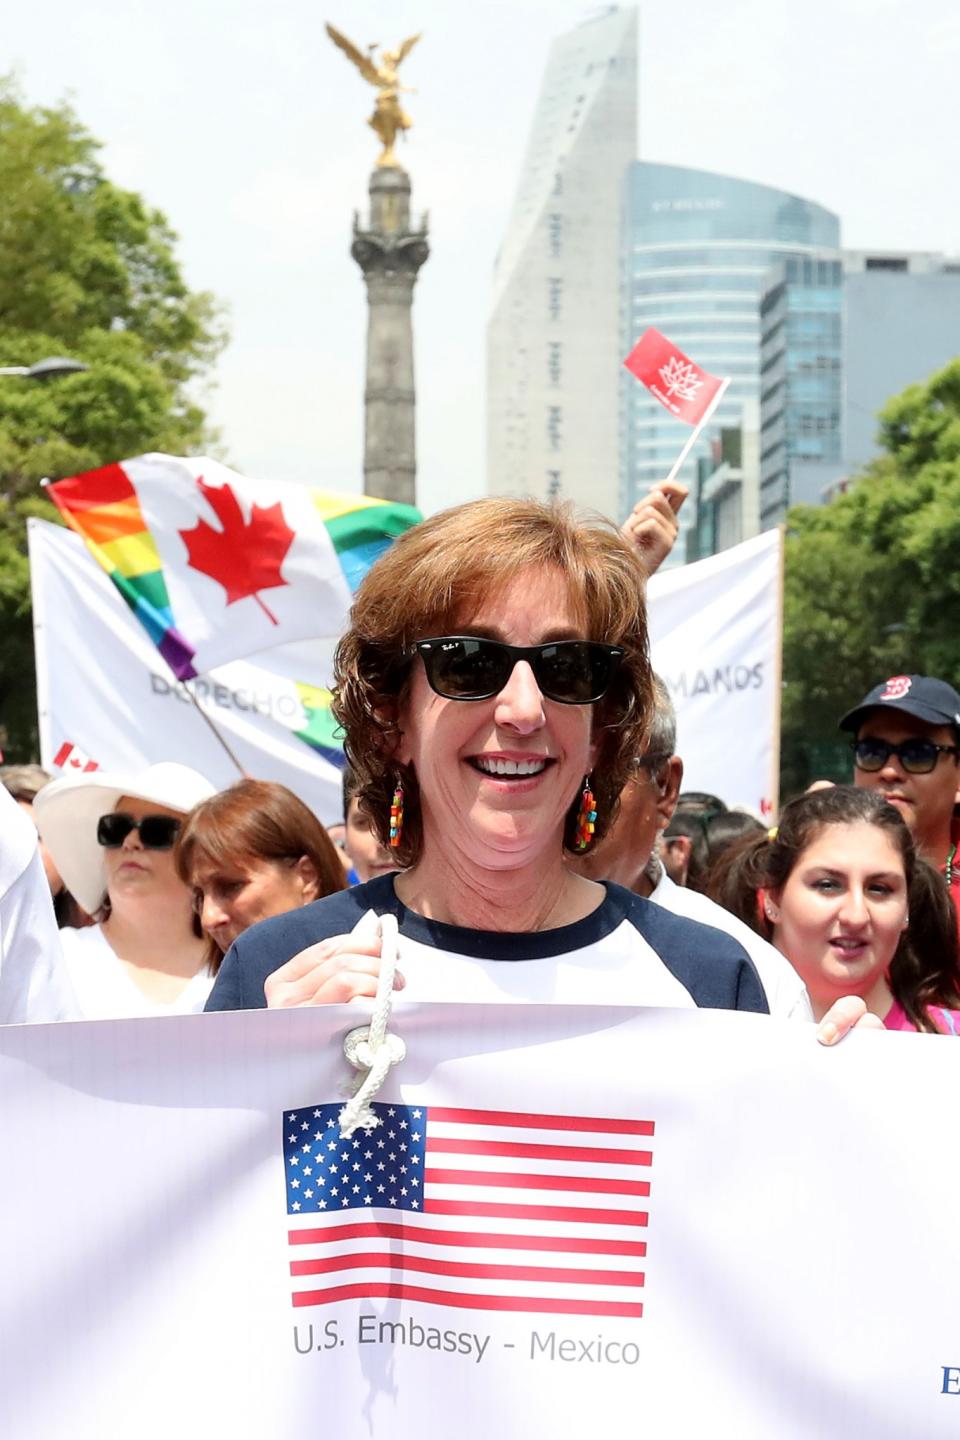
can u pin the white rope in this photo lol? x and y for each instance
(372, 1048)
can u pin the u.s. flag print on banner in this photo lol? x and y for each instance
(476, 1209)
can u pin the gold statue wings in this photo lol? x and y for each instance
(404, 49)
(383, 75)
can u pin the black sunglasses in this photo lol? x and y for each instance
(157, 832)
(469, 667)
(918, 757)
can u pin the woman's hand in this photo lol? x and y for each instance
(329, 973)
(653, 526)
(845, 1014)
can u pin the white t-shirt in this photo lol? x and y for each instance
(626, 952)
(786, 993)
(32, 984)
(104, 988)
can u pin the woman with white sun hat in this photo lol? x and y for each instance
(111, 835)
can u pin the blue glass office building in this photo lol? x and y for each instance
(697, 252)
(801, 385)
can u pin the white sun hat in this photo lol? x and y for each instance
(67, 811)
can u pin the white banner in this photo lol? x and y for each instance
(570, 1221)
(715, 639)
(104, 689)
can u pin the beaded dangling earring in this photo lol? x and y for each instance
(586, 820)
(396, 814)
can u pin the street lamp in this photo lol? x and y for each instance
(47, 369)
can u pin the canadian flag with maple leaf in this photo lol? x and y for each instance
(217, 565)
(245, 556)
(681, 386)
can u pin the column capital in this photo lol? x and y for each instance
(389, 255)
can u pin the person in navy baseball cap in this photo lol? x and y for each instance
(907, 746)
(933, 701)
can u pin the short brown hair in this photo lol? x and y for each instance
(256, 820)
(443, 569)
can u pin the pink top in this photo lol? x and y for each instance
(946, 1021)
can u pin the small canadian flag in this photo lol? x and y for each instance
(70, 757)
(680, 385)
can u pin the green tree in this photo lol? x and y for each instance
(87, 271)
(872, 581)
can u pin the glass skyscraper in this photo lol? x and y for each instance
(553, 339)
(840, 336)
(697, 251)
(801, 384)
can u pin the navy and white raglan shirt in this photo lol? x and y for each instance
(626, 952)
(785, 991)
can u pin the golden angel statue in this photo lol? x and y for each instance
(388, 118)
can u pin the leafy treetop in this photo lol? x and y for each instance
(873, 580)
(87, 271)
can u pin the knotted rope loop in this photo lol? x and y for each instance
(371, 1048)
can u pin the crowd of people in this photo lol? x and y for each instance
(513, 793)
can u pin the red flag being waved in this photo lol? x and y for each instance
(672, 378)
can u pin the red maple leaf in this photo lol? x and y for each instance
(246, 555)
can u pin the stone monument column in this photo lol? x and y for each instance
(390, 254)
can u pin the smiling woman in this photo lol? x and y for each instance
(841, 892)
(494, 688)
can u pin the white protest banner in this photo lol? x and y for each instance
(715, 640)
(105, 694)
(571, 1220)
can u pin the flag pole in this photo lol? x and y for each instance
(206, 718)
(698, 427)
(778, 681)
(41, 663)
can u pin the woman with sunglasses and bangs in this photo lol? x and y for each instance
(113, 836)
(494, 688)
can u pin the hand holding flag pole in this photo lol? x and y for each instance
(680, 385)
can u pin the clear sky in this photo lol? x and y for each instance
(243, 123)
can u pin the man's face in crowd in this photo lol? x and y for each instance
(925, 801)
(675, 855)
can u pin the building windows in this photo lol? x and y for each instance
(555, 234)
(554, 296)
(554, 422)
(554, 366)
(553, 484)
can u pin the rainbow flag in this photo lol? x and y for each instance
(103, 508)
(361, 528)
(321, 732)
(218, 566)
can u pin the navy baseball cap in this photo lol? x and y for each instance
(933, 701)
